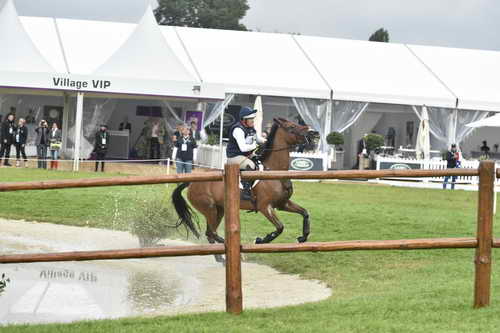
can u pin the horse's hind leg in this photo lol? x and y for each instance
(268, 212)
(292, 207)
(214, 217)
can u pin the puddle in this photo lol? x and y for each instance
(71, 291)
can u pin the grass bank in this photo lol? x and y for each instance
(373, 291)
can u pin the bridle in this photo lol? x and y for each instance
(294, 131)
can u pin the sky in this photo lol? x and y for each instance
(451, 23)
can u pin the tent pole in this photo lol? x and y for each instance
(220, 138)
(327, 129)
(65, 122)
(78, 130)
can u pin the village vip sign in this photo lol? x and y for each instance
(62, 82)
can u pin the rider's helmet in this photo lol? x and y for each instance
(247, 113)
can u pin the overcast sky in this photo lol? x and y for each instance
(455, 23)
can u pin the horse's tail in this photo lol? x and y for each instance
(183, 210)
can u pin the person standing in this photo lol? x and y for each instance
(155, 139)
(42, 141)
(194, 131)
(55, 140)
(242, 143)
(101, 146)
(452, 155)
(20, 138)
(185, 151)
(7, 132)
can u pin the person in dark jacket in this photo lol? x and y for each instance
(7, 132)
(55, 140)
(42, 141)
(20, 138)
(185, 149)
(451, 163)
(101, 146)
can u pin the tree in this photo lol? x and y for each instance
(216, 14)
(381, 35)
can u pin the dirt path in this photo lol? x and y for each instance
(109, 289)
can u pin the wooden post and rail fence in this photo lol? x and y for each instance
(483, 242)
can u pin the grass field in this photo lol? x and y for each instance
(373, 291)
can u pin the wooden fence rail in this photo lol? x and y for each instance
(483, 242)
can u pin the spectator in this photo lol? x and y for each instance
(194, 131)
(185, 150)
(20, 139)
(485, 150)
(42, 141)
(155, 139)
(7, 132)
(451, 158)
(101, 146)
(55, 138)
(177, 133)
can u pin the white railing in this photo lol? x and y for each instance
(433, 164)
(209, 155)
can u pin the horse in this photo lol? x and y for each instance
(208, 197)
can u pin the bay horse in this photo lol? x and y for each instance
(208, 197)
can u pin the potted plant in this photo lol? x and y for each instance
(336, 140)
(373, 144)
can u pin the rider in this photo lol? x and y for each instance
(243, 141)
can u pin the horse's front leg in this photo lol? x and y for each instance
(268, 212)
(292, 207)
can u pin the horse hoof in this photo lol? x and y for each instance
(259, 240)
(301, 239)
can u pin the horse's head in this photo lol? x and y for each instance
(295, 133)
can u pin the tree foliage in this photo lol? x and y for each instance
(216, 14)
(381, 35)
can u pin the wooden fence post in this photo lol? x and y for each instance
(482, 283)
(234, 298)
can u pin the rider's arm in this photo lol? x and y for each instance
(239, 136)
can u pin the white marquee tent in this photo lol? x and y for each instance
(458, 86)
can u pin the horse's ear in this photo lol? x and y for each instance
(277, 120)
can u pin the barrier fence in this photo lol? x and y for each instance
(483, 242)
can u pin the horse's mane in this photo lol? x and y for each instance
(269, 143)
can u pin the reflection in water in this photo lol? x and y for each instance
(150, 291)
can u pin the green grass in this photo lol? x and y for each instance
(373, 291)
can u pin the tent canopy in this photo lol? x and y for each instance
(98, 57)
(472, 75)
(144, 59)
(374, 72)
(493, 121)
(253, 63)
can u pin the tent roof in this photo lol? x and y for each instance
(146, 59)
(253, 63)
(493, 121)
(374, 72)
(146, 55)
(472, 75)
(19, 53)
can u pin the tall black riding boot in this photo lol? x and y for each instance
(246, 192)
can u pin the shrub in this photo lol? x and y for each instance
(213, 140)
(335, 138)
(374, 141)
